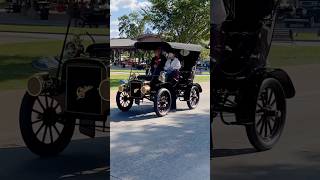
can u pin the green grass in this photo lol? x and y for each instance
(127, 70)
(15, 61)
(52, 29)
(281, 56)
(306, 36)
(3, 4)
(200, 79)
(115, 78)
(16, 58)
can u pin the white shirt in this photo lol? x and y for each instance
(172, 64)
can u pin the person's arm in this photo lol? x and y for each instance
(176, 65)
(167, 65)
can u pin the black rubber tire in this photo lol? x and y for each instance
(157, 110)
(120, 106)
(253, 132)
(30, 137)
(197, 91)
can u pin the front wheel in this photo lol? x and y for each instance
(162, 102)
(194, 97)
(270, 116)
(44, 130)
(124, 101)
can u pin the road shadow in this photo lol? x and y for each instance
(163, 150)
(216, 153)
(301, 164)
(137, 113)
(83, 159)
(266, 172)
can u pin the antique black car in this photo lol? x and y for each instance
(242, 82)
(157, 88)
(72, 90)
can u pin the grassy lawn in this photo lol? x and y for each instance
(16, 58)
(115, 79)
(52, 29)
(281, 56)
(3, 4)
(127, 70)
(306, 36)
(15, 61)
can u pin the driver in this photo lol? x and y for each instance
(158, 62)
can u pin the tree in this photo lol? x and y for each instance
(186, 21)
(131, 25)
(205, 54)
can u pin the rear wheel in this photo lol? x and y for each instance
(44, 130)
(124, 101)
(270, 115)
(162, 102)
(194, 97)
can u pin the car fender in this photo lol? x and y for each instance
(198, 86)
(279, 75)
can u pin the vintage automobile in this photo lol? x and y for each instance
(72, 90)
(242, 82)
(157, 88)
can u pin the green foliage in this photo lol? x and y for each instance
(205, 53)
(131, 25)
(185, 21)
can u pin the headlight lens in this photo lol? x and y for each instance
(121, 88)
(162, 76)
(145, 89)
(104, 90)
(35, 86)
(38, 83)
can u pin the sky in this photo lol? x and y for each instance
(122, 7)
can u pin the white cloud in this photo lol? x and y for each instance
(116, 5)
(123, 7)
(114, 23)
(114, 33)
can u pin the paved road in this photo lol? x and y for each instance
(297, 154)
(84, 158)
(144, 147)
(14, 18)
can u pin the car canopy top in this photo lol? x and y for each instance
(167, 46)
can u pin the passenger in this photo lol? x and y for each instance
(172, 68)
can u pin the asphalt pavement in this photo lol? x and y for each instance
(144, 147)
(297, 154)
(176, 146)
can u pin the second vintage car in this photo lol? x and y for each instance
(69, 91)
